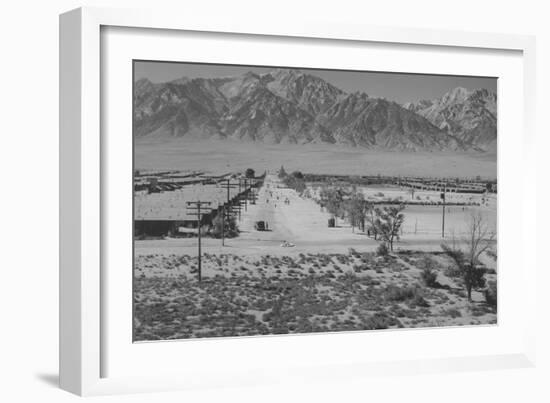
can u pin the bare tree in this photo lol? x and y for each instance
(366, 208)
(355, 208)
(371, 220)
(479, 239)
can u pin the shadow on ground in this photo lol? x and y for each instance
(49, 379)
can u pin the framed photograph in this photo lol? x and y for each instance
(243, 203)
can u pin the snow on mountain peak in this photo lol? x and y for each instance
(293, 105)
(457, 94)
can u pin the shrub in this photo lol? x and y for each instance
(418, 300)
(380, 320)
(399, 294)
(354, 253)
(452, 312)
(412, 295)
(382, 250)
(491, 293)
(453, 271)
(480, 310)
(429, 275)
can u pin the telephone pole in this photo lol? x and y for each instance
(226, 184)
(245, 194)
(443, 221)
(195, 207)
(253, 196)
(239, 198)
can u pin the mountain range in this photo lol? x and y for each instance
(468, 115)
(294, 107)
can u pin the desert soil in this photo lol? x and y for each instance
(330, 280)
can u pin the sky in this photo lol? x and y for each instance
(398, 87)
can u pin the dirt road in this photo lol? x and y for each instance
(290, 218)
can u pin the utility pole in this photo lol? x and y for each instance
(226, 185)
(443, 221)
(239, 199)
(246, 191)
(195, 207)
(253, 195)
(223, 225)
(245, 194)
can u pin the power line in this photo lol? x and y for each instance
(443, 213)
(195, 207)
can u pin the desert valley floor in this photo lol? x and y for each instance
(234, 155)
(329, 279)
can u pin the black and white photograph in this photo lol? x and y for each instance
(275, 200)
(267, 202)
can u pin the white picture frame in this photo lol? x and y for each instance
(82, 308)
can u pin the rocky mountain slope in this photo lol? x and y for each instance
(291, 106)
(359, 120)
(469, 115)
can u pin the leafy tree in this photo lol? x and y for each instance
(489, 187)
(298, 175)
(388, 223)
(282, 172)
(249, 173)
(298, 184)
(479, 239)
(333, 200)
(229, 228)
(366, 209)
(357, 208)
(351, 208)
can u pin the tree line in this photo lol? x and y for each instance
(382, 224)
(294, 180)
